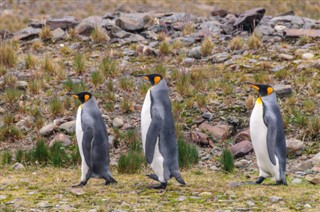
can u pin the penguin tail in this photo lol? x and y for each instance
(110, 180)
(153, 176)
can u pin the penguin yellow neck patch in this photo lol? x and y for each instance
(86, 97)
(157, 80)
(259, 100)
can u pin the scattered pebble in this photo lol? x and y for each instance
(275, 199)
(307, 56)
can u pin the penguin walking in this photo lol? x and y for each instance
(158, 133)
(92, 138)
(267, 135)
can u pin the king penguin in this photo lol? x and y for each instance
(92, 138)
(158, 133)
(267, 135)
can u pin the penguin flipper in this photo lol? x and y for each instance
(153, 135)
(271, 137)
(87, 144)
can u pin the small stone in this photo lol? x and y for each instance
(220, 57)
(188, 61)
(283, 90)
(307, 56)
(244, 135)
(43, 204)
(117, 122)
(18, 166)
(195, 52)
(280, 28)
(207, 115)
(219, 132)
(63, 138)
(58, 34)
(275, 199)
(181, 198)
(302, 166)
(286, 56)
(278, 68)
(214, 168)
(241, 149)
(243, 163)
(313, 179)
(23, 85)
(69, 126)
(130, 24)
(206, 193)
(2, 197)
(307, 206)
(47, 129)
(201, 138)
(294, 146)
(77, 191)
(250, 203)
(316, 159)
(296, 181)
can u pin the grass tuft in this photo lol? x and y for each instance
(48, 66)
(131, 162)
(30, 61)
(188, 29)
(97, 78)
(6, 158)
(126, 84)
(164, 48)
(79, 63)
(56, 106)
(45, 33)
(236, 43)
(254, 41)
(8, 55)
(41, 153)
(11, 95)
(97, 35)
(206, 47)
(108, 67)
(58, 155)
(188, 154)
(226, 161)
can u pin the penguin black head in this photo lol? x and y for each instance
(264, 90)
(153, 78)
(83, 96)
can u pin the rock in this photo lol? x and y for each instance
(23, 85)
(5, 34)
(250, 203)
(58, 34)
(307, 206)
(278, 68)
(130, 24)
(249, 19)
(283, 90)
(307, 56)
(286, 56)
(316, 159)
(206, 193)
(63, 138)
(294, 146)
(181, 198)
(186, 40)
(302, 166)
(69, 126)
(219, 132)
(43, 204)
(294, 33)
(244, 135)
(214, 168)
(18, 166)
(201, 138)
(145, 50)
(243, 163)
(26, 34)
(2, 197)
(220, 57)
(149, 35)
(195, 52)
(296, 181)
(207, 115)
(188, 61)
(63, 23)
(280, 28)
(134, 38)
(117, 122)
(87, 25)
(275, 199)
(77, 191)
(47, 129)
(210, 28)
(241, 149)
(313, 179)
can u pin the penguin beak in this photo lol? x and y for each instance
(73, 95)
(252, 85)
(143, 75)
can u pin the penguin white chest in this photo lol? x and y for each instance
(258, 133)
(145, 118)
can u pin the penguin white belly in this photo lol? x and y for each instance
(157, 162)
(79, 135)
(258, 133)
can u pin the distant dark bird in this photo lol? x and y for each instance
(92, 137)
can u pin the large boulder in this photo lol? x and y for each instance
(87, 25)
(63, 23)
(248, 20)
(28, 33)
(130, 24)
(219, 132)
(241, 149)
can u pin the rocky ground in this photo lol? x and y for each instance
(205, 60)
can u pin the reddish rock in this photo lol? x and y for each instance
(241, 149)
(294, 146)
(313, 179)
(219, 132)
(63, 138)
(201, 138)
(244, 135)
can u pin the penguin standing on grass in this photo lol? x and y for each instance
(267, 135)
(92, 137)
(158, 133)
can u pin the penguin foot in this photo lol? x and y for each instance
(181, 181)
(153, 176)
(111, 181)
(160, 186)
(81, 184)
(260, 180)
(281, 182)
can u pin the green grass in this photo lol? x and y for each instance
(97, 78)
(8, 55)
(131, 162)
(187, 154)
(226, 161)
(79, 63)
(108, 67)
(6, 157)
(58, 155)
(56, 106)
(11, 95)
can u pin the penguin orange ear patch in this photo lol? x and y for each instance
(86, 97)
(269, 90)
(157, 80)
